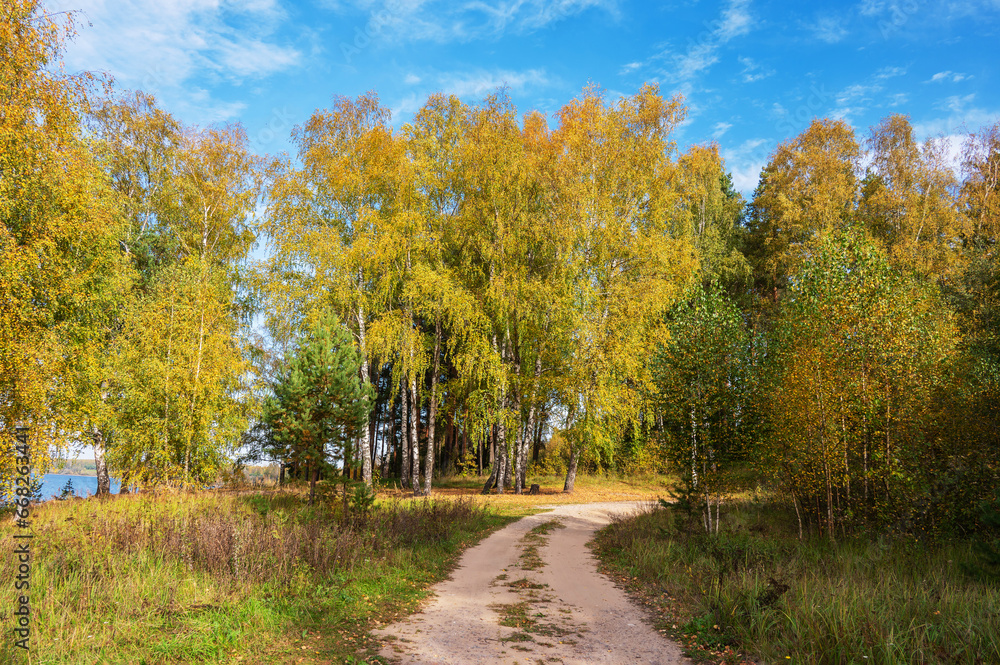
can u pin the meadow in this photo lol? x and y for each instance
(252, 576)
(756, 593)
(258, 575)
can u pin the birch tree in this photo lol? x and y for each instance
(335, 242)
(61, 272)
(629, 261)
(703, 378)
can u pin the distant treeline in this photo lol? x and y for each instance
(261, 473)
(88, 468)
(74, 467)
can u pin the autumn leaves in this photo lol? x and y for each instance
(497, 268)
(124, 300)
(501, 275)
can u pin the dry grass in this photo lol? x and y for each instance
(754, 591)
(588, 489)
(228, 577)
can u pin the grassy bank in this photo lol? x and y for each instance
(214, 577)
(256, 577)
(755, 592)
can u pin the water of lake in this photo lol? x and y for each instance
(53, 483)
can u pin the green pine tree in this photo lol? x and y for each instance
(320, 405)
(67, 491)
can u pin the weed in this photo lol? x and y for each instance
(525, 583)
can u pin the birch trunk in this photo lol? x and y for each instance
(502, 458)
(574, 460)
(103, 479)
(365, 441)
(414, 439)
(494, 468)
(432, 412)
(529, 431)
(404, 432)
(194, 389)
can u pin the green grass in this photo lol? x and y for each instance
(530, 558)
(251, 577)
(224, 578)
(756, 591)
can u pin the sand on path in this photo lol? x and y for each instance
(559, 610)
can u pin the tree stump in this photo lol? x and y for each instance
(535, 489)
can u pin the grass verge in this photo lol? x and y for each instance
(756, 593)
(223, 578)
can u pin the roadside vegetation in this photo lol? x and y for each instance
(755, 592)
(251, 575)
(231, 577)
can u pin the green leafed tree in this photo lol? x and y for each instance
(61, 271)
(702, 381)
(320, 405)
(177, 380)
(859, 353)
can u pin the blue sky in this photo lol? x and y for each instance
(753, 72)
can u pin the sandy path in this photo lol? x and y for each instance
(563, 611)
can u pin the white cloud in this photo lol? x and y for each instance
(845, 113)
(698, 58)
(734, 21)
(480, 83)
(858, 92)
(472, 86)
(871, 7)
(246, 59)
(890, 72)
(746, 177)
(540, 13)
(957, 103)
(962, 118)
(752, 71)
(167, 47)
(214, 111)
(629, 68)
(411, 79)
(407, 106)
(948, 76)
(829, 29)
(952, 145)
(745, 163)
(899, 99)
(720, 128)
(440, 21)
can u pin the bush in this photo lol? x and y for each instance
(986, 546)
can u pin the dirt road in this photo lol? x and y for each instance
(531, 593)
